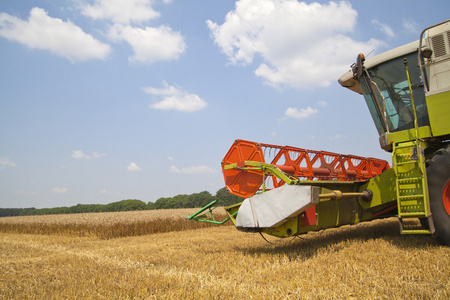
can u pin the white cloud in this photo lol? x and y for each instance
(175, 170)
(410, 26)
(150, 44)
(301, 45)
(58, 190)
(336, 137)
(6, 162)
(132, 167)
(322, 103)
(106, 192)
(175, 98)
(303, 113)
(121, 11)
(192, 170)
(62, 38)
(78, 154)
(386, 29)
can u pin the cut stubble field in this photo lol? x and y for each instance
(367, 261)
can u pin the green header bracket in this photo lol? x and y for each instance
(205, 214)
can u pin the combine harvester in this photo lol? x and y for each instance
(290, 191)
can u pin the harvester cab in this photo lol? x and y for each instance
(407, 88)
(407, 91)
(290, 191)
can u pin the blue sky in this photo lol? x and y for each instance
(104, 100)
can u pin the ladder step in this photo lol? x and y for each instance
(410, 202)
(413, 214)
(406, 163)
(410, 197)
(412, 179)
(416, 231)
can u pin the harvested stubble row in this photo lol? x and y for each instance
(104, 225)
(366, 261)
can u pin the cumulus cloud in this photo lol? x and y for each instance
(410, 26)
(58, 190)
(336, 137)
(62, 38)
(133, 167)
(174, 98)
(175, 170)
(121, 11)
(301, 45)
(6, 162)
(150, 44)
(386, 29)
(303, 113)
(322, 103)
(192, 170)
(106, 192)
(78, 154)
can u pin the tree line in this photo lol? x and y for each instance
(180, 201)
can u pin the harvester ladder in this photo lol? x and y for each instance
(411, 185)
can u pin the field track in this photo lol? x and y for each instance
(368, 261)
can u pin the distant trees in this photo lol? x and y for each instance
(195, 200)
(124, 205)
(227, 198)
(180, 201)
(183, 201)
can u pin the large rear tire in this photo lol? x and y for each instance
(438, 176)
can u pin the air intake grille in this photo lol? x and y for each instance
(439, 45)
(448, 40)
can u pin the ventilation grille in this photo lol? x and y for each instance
(448, 39)
(439, 47)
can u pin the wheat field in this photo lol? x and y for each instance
(106, 225)
(367, 261)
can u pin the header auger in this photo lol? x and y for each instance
(290, 191)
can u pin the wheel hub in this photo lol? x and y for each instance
(446, 197)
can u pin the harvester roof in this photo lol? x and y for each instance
(349, 82)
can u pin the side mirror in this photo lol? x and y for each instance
(359, 66)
